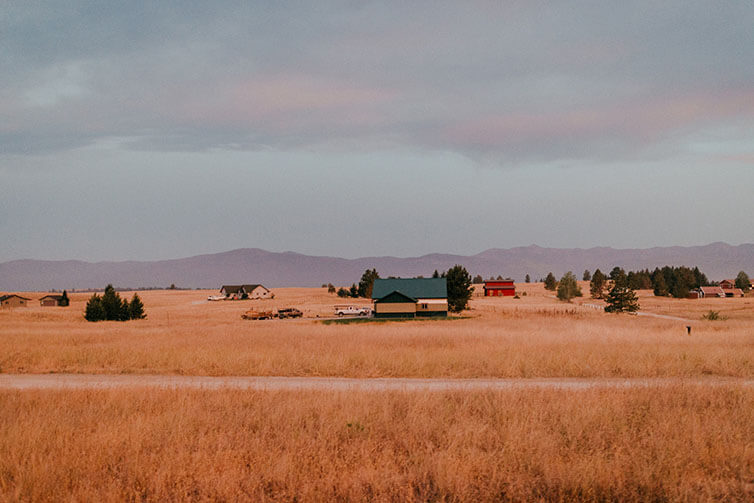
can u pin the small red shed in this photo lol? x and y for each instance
(499, 288)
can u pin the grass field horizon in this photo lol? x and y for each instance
(534, 336)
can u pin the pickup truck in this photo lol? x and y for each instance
(352, 311)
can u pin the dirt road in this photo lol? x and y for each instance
(96, 381)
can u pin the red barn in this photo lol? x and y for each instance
(499, 288)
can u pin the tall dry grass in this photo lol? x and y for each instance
(535, 336)
(669, 444)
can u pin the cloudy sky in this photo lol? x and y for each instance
(150, 130)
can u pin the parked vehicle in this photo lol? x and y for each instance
(259, 315)
(215, 297)
(353, 311)
(289, 312)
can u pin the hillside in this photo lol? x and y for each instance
(252, 265)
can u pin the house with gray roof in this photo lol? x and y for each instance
(250, 291)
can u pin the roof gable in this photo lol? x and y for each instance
(251, 288)
(396, 297)
(10, 296)
(414, 288)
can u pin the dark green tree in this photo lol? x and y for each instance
(459, 288)
(568, 288)
(621, 298)
(330, 288)
(353, 291)
(743, 282)
(587, 275)
(527, 279)
(435, 274)
(597, 285)
(616, 273)
(125, 311)
(478, 279)
(111, 303)
(136, 308)
(550, 282)
(94, 310)
(658, 284)
(367, 283)
(64, 300)
(342, 292)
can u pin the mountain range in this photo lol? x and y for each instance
(273, 269)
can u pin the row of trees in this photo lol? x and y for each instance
(110, 307)
(619, 298)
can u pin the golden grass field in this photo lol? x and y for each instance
(685, 443)
(677, 442)
(535, 336)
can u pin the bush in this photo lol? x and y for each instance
(568, 288)
(713, 316)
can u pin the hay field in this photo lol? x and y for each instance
(535, 336)
(672, 444)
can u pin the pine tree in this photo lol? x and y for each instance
(435, 274)
(459, 288)
(659, 285)
(621, 299)
(550, 282)
(527, 279)
(136, 308)
(478, 279)
(125, 311)
(64, 300)
(597, 285)
(112, 304)
(94, 310)
(587, 275)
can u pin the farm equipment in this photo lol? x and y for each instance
(259, 315)
(289, 312)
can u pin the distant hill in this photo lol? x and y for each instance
(252, 265)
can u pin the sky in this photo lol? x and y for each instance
(154, 130)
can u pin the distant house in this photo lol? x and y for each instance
(499, 288)
(410, 298)
(51, 301)
(727, 284)
(711, 292)
(13, 300)
(733, 292)
(246, 292)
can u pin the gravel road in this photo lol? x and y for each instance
(106, 381)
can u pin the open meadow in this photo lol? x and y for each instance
(534, 336)
(682, 441)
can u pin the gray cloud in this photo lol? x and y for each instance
(512, 81)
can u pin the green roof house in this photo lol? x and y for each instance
(410, 298)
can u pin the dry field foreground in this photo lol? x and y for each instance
(535, 336)
(685, 443)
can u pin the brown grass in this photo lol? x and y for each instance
(535, 336)
(671, 444)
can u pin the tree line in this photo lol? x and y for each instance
(111, 307)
